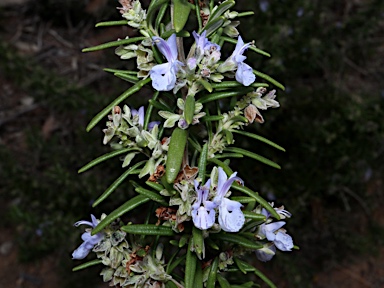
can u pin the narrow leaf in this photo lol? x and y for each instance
(202, 165)
(257, 197)
(112, 23)
(148, 115)
(198, 242)
(175, 154)
(221, 9)
(213, 273)
(211, 118)
(148, 229)
(127, 77)
(212, 26)
(158, 187)
(253, 155)
(244, 266)
(113, 44)
(198, 281)
(229, 155)
(257, 50)
(254, 216)
(237, 239)
(260, 138)
(106, 157)
(119, 99)
(189, 109)
(87, 264)
(222, 281)
(152, 195)
(190, 267)
(269, 78)
(126, 207)
(116, 184)
(231, 84)
(181, 11)
(221, 95)
(264, 278)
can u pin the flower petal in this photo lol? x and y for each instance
(266, 253)
(81, 252)
(244, 74)
(231, 218)
(283, 241)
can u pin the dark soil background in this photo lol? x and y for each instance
(330, 56)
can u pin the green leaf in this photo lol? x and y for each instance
(190, 267)
(225, 167)
(116, 183)
(254, 156)
(214, 25)
(222, 281)
(257, 50)
(113, 44)
(106, 157)
(264, 278)
(151, 12)
(181, 11)
(257, 197)
(112, 23)
(260, 138)
(120, 71)
(268, 78)
(183, 240)
(213, 273)
(160, 16)
(206, 85)
(148, 229)
(221, 95)
(243, 199)
(189, 109)
(152, 195)
(231, 84)
(211, 118)
(158, 187)
(117, 101)
(87, 264)
(198, 242)
(175, 154)
(247, 13)
(127, 77)
(229, 155)
(148, 115)
(253, 215)
(172, 265)
(202, 165)
(221, 9)
(238, 239)
(244, 266)
(212, 244)
(198, 281)
(126, 207)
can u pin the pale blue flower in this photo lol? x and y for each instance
(203, 44)
(203, 216)
(266, 253)
(244, 73)
(164, 75)
(89, 241)
(231, 218)
(274, 233)
(283, 241)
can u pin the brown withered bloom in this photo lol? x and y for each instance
(252, 114)
(187, 173)
(165, 213)
(127, 5)
(160, 171)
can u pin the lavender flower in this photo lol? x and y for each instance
(244, 73)
(164, 75)
(203, 44)
(231, 218)
(89, 241)
(266, 253)
(274, 232)
(203, 216)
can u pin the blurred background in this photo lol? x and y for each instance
(330, 56)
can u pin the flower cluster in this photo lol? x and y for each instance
(273, 232)
(202, 100)
(202, 65)
(231, 219)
